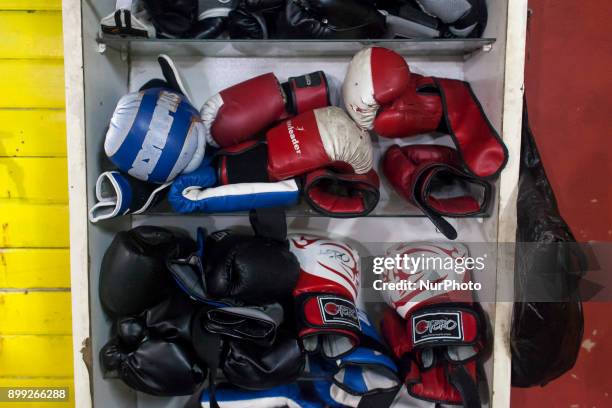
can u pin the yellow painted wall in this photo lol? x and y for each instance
(35, 326)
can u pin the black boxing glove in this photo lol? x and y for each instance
(254, 19)
(153, 353)
(248, 361)
(212, 19)
(172, 18)
(331, 19)
(133, 275)
(258, 368)
(255, 270)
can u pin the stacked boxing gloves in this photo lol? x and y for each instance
(286, 19)
(202, 19)
(342, 346)
(437, 335)
(315, 150)
(245, 282)
(381, 94)
(150, 346)
(154, 135)
(324, 148)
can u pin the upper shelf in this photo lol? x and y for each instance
(291, 48)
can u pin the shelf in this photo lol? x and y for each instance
(394, 207)
(290, 48)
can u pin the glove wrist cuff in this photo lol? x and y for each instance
(444, 326)
(327, 312)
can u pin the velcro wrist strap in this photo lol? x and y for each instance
(327, 312)
(243, 163)
(444, 326)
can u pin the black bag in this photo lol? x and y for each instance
(547, 323)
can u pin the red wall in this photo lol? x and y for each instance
(569, 94)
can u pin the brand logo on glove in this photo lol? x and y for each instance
(436, 326)
(339, 311)
(294, 140)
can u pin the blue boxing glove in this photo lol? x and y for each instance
(120, 194)
(197, 192)
(282, 396)
(155, 134)
(363, 378)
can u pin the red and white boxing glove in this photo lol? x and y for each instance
(240, 112)
(320, 138)
(326, 295)
(431, 178)
(448, 106)
(375, 77)
(437, 335)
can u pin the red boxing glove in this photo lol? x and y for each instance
(437, 335)
(342, 194)
(313, 140)
(375, 77)
(240, 112)
(448, 106)
(326, 294)
(430, 177)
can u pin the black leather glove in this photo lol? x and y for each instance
(153, 353)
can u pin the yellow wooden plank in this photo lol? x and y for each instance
(41, 383)
(35, 83)
(35, 356)
(34, 268)
(30, 4)
(27, 225)
(36, 34)
(37, 132)
(41, 179)
(33, 312)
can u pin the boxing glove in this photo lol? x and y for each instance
(367, 376)
(155, 134)
(448, 106)
(133, 274)
(230, 117)
(437, 335)
(321, 138)
(324, 137)
(342, 195)
(289, 395)
(326, 295)
(198, 192)
(375, 77)
(130, 19)
(330, 20)
(172, 18)
(254, 19)
(463, 18)
(254, 367)
(120, 194)
(431, 178)
(212, 18)
(152, 352)
(255, 270)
